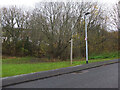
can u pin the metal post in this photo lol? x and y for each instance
(86, 40)
(71, 50)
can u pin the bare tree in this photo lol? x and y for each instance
(13, 22)
(60, 17)
(114, 15)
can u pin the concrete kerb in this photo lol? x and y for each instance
(45, 74)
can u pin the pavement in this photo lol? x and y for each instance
(105, 76)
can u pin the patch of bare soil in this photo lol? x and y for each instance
(8, 57)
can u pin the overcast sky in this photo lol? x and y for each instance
(31, 3)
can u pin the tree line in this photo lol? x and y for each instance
(47, 30)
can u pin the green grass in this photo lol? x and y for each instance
(105, 55)
(11, 69)
(25, 65)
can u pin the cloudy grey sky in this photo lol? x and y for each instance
(31, 3)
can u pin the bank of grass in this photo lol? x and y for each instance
(24, 65)
(105, 55)
(25, 68)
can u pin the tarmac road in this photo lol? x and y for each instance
(101, 77)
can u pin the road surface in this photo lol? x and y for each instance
(100, 77)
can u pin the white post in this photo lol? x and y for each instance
(71, 50)
(86, 40)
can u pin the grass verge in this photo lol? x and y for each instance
(105, 55)
(12, 69)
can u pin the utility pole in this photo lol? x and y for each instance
(86, 37)
(71, 49)
(71, 41)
